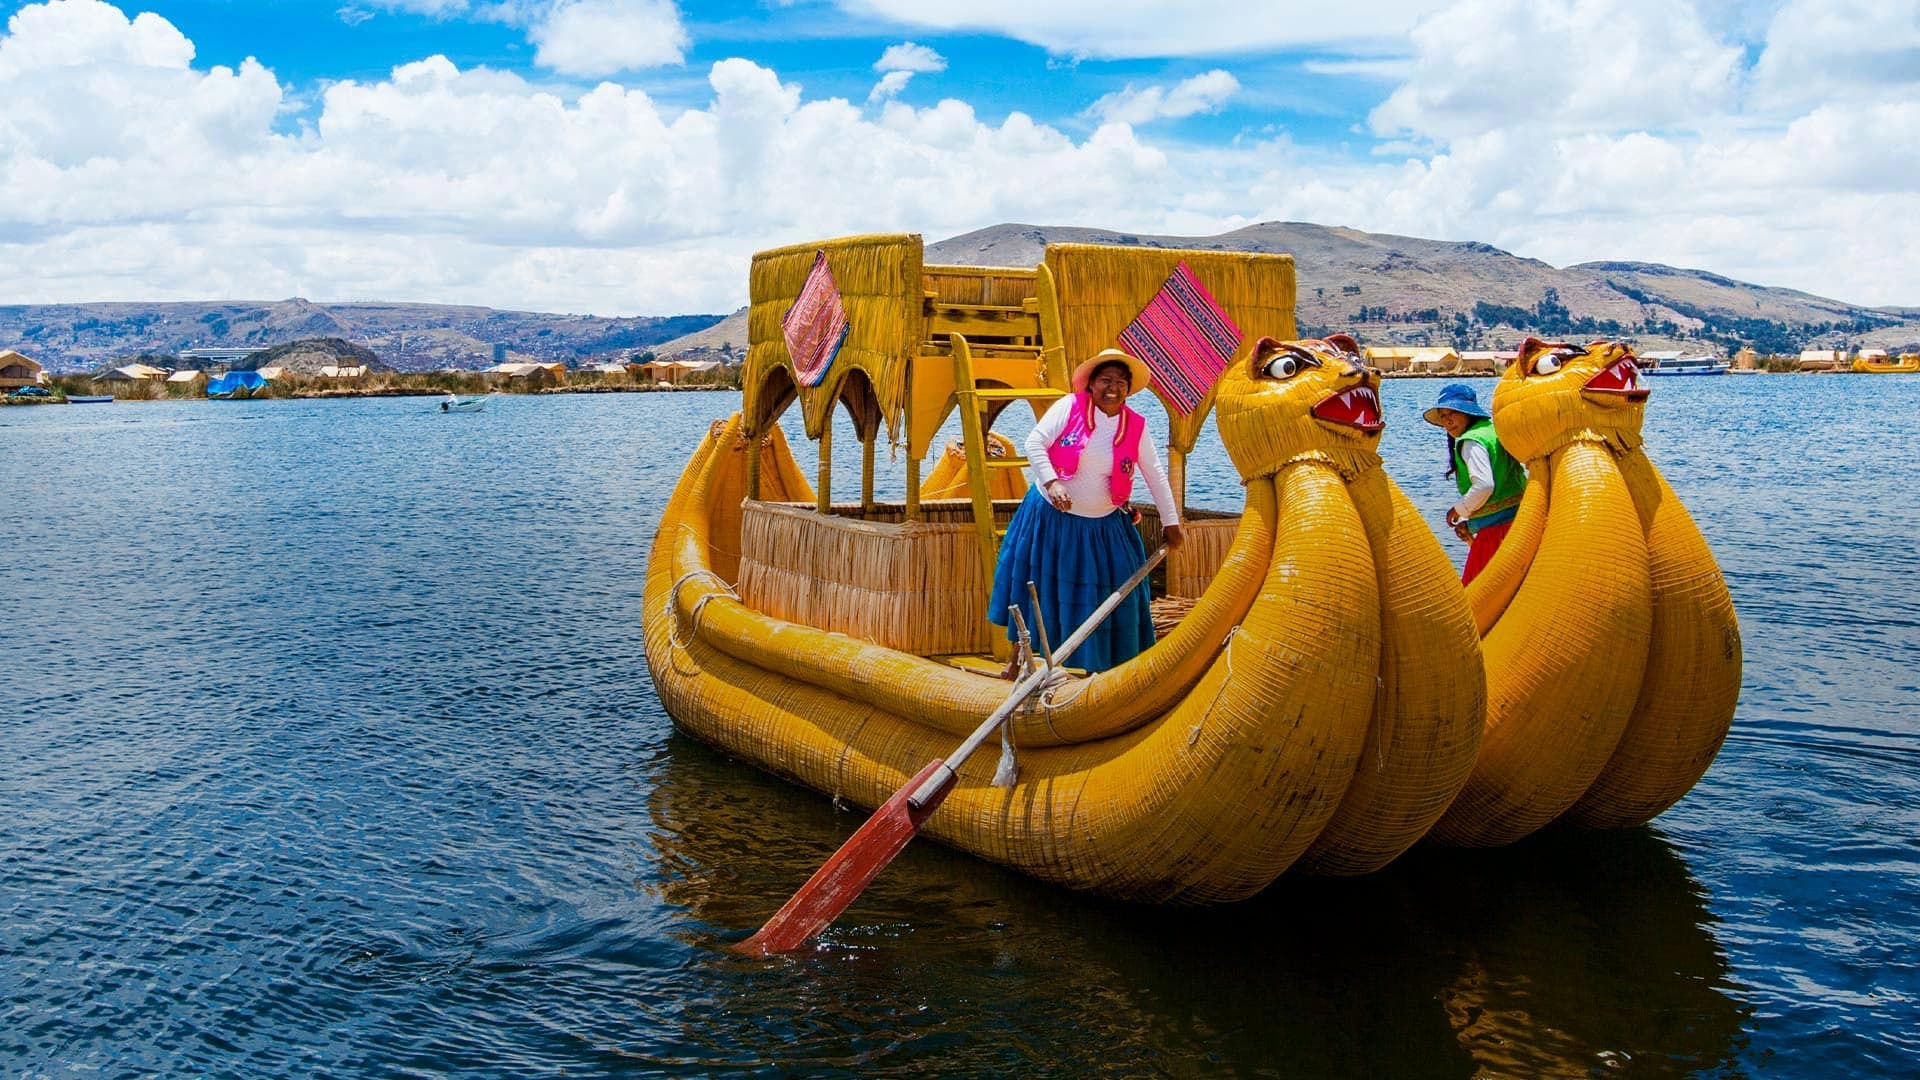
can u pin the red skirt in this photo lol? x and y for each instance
(1485, 543)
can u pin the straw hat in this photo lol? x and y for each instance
(1138, 377)
(1460, 398)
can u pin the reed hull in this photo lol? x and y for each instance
(1197, 772)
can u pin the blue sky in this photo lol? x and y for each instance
(824, 48)
(628, 155)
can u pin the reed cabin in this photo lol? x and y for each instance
(916, 343)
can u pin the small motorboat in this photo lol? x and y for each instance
(459, 404)
(89, 399)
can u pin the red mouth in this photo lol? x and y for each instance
(1621, 377)
(1357, 407)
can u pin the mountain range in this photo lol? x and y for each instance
(1384, 289)
(408, 337)
(1402, 290)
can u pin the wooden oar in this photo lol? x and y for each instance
(845, 875)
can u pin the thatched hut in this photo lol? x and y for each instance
(17, 371)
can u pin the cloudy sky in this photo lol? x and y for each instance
(626, 156)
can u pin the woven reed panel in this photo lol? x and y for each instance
(1209, 536)
(911, 586)
(880, 283)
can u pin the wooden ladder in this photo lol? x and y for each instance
(972, 399)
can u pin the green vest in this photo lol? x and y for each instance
(1509, 478)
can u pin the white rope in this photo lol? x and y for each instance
(693, 617)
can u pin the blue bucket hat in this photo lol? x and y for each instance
(1458, 397)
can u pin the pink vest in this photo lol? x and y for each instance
(1065, 451)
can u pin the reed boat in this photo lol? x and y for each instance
(1316, 703)
(1905, 364)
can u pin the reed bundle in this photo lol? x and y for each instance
(948, 480)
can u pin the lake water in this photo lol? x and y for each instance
(330, 750)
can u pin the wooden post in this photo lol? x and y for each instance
(913, 485)
(823, 501)
(866, 471)
(753, 464)
(1177, 478)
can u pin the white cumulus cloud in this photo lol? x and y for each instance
(1142, 28)
(899, 64)
(602, 37)
(128, 171)
(907, 56)
(1201, 93)
(1570, 65)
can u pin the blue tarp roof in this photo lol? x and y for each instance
(235, 380)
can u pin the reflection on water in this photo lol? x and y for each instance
(1574, 952)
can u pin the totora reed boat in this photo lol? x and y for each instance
(1316, 700)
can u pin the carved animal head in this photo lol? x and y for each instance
(1556, 393)
(1291, 399)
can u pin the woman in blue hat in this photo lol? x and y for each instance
(1490, 480)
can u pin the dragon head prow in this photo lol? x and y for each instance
(1555, 393)
(1286, 400)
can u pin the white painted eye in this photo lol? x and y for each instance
(1284, 366)
(1546, 365)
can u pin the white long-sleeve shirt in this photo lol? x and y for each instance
(1479, 478)
(1089, 487)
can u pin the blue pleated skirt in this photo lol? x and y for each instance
(1075, 562)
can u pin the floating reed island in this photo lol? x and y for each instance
(1322, 697)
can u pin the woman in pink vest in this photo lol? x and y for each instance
(1072, 536)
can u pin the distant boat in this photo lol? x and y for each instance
(1886, 365)
(458, 404)
(89, 399)
(1688, 365)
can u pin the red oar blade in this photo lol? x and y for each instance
(838, 883)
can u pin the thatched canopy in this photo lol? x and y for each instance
(879, 281)
(1101, 289)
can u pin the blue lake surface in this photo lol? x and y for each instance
(330, 750)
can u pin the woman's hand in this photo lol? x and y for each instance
(1174, 537)
(1056, 492)
(1459, 526)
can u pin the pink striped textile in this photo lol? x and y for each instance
(1184, 339)
(816, 325)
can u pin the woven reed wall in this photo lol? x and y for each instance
(1101, 289)
(911, 586)
(880, 286)
(1005, 286)
(1208, 537)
